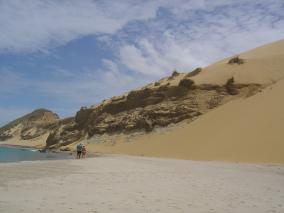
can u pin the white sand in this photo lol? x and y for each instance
(140, 184)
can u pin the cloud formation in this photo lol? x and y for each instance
(37, 25)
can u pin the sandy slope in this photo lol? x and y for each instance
(263, 65)
(138, 184)
(249, 129)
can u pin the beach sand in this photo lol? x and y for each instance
(116, 183)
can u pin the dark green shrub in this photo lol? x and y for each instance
(186, 83)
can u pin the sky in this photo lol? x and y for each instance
(65, 54)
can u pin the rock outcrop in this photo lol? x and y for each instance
(66, 132)
(160, 104)
(156, 105)
(30, 126)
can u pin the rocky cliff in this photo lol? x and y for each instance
(30, 126)
(168, 101)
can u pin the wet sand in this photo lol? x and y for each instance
(115, 183)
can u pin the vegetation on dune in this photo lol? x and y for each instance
(194, 72)
(186, 83)
(236, 60)
(174, 74)
(157, 84)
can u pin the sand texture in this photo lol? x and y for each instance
(248, 130)
(140, 184)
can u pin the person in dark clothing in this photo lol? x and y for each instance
(79, 150)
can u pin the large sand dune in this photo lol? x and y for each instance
(249, 129)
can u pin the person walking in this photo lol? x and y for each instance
(84, 151)
(79, 150)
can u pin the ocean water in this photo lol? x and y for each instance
(12, 154)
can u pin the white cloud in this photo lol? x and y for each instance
(137, 59)
(147, 59)
(37, 25)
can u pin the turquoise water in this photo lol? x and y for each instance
(12, 154)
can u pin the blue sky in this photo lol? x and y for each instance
(65, 54)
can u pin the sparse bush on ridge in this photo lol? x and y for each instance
(236, 60)
(139, 94)
(186, 83)
(174, 74)
(194, 72)
(157, 84)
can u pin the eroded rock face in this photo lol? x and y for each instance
(30, 126)
(142, 118)
(145, 109)
(65, 133)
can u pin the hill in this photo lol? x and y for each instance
(28, 127)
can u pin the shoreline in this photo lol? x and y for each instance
(18, 146)
(95, 150)
(53, 151)
(91, 153)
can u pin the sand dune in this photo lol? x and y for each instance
(249, 129)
